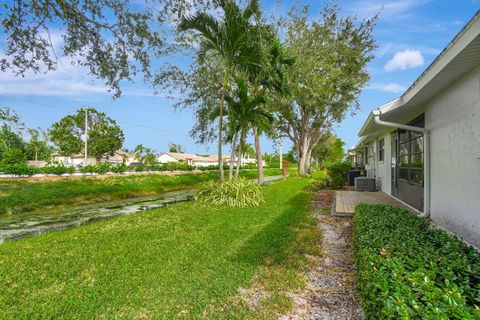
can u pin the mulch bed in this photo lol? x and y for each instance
(323, 199)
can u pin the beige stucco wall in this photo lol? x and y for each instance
(453, 118)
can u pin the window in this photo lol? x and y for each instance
(411, 157)
(381, 150)
(366, 155)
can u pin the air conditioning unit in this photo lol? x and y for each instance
(364, 184)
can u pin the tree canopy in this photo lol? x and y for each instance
(114, 40)
(332, 53)
(104, 135)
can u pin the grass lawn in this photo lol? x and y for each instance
(29, 195)
(184, 261)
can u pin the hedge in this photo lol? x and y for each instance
(337, 173)
(103, 168)
(408, 270)
(26, 170)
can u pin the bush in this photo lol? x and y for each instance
(316, 184)
(407, 270)
(58, 169)
(19, 169)
(238, 192)
(337, 173)
(120, 168)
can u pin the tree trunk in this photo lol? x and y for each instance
(261, 179)
(220, 125)
(303, 150)
(232, 155)
(240, 153)
(281, 154)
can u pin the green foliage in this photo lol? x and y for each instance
(316, 184)
(19, 170)
(329, 149)
(337, 173)
(175, 147)
(113, 47)
(26, 170)
(13, 156)
(144, 154)
(407, 270)
(57, 169)
(104, 135)
(238, 192)
(332, 52)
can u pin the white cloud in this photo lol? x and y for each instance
(67, 80)
(388, 87)
(405, 59)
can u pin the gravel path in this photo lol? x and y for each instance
(330, 293)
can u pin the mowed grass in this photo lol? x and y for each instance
(27, 195)
(186, 261)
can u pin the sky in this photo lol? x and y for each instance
(410, 34)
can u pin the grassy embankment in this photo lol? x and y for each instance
(32, 194)
(189, 261)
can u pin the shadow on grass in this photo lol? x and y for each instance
(272, 245)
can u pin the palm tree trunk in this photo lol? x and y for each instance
(261, 179)
(220, 124)
(232, 155)
(240, 151)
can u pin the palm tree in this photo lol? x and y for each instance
(270, 79)
(248, 111)
(230, 39)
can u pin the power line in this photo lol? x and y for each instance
(120, 121)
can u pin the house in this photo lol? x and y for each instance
(423, 148)
(76, 160)
(190, 159)
(119, 157)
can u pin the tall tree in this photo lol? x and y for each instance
(328, 149)
(144, 154)
(175, 147)
(331, 56)
(38, 148)
(230, 40)
(104, 135)
(247, 111)
(114, 40)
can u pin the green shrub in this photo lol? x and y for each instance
(103, 168)
(407, 270)
(58, 169)
(337, 173)
(238, 192)
(316, 184)
(19, 169)
(120, 168)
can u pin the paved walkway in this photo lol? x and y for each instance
(345, 201)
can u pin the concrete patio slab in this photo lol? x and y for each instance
(346, 201)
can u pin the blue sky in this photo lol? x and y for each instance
(410, 34)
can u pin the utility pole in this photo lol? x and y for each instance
(86, 136)
(281, 153)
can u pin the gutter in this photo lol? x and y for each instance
(426, 133)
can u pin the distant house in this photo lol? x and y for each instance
(120, 157)
(424, 147)
(78, 160)
(190, 159)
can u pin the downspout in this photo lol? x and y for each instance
(426, 133)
